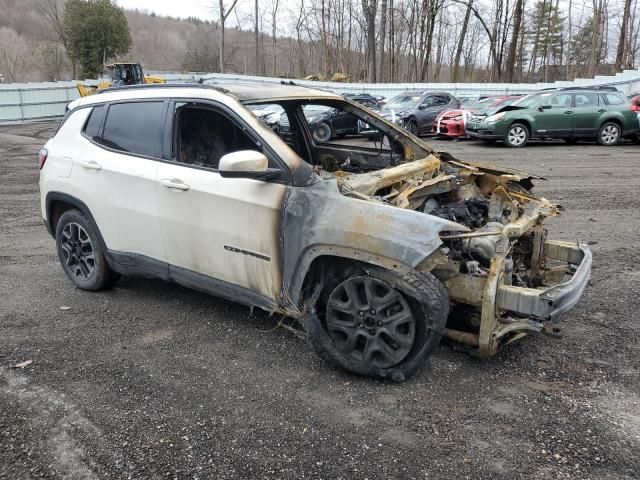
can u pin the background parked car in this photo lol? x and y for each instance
(327, 123)
(268, 114)
(416, 110)
(567, 113)
(452, 123)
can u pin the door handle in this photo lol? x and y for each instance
(90, 165)
(569, 112)
(174, 184)
(602, 110)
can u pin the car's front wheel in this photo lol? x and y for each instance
(322, 133)
(412, 127)
(517, 136)
(379, 324)
(80, 252)
(609, 134)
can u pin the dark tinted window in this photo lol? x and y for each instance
(134, 128)
(613, 99)
(94, 122)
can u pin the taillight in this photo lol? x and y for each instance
(42, 157)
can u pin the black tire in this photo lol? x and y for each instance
(609, 134)
(635, 139)
(517, 135)
(81, 252)
(322, 133)
(429, 308)
(412, 127)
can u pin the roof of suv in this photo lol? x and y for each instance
(246, 93)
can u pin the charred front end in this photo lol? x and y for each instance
(504, 277)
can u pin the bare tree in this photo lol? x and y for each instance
(274, 13)
(223, 14)
(54, 14)
(383, 37)
(369, 8)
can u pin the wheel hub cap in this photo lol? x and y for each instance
(370, 321)
(78, 251)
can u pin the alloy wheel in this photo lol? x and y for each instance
(370, 321)
(78, 251)
(517, 135)
(609, 134)
(322, 133)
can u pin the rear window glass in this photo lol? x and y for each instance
(613, 99)
(94, 122)
(134, 128)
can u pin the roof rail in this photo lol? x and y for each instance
(151, 86)
(597, 87)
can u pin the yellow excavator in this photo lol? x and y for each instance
(119, 74)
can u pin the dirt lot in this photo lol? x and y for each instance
(151, 380)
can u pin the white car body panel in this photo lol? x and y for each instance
(225, 228)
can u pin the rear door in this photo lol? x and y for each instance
(114, 171)
(555, 117)
(589, 107)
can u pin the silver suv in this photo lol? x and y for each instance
(378, 250)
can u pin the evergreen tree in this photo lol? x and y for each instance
(97, 30)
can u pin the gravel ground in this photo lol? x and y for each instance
(151, 380)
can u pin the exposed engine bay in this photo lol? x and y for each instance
(502, 219)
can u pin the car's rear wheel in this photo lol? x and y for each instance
(517, 136)
(635, 139)
(609, 134)
(81, 254)
(379, 324)
(322, 132)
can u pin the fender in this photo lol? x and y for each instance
(319, 220)
(53, 197)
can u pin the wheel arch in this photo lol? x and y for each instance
(524, 122)
(57, 203)
(322, 259)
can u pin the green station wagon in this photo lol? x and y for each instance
(571, 114)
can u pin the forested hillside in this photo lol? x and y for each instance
(366, 40)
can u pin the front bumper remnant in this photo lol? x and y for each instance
(510, 312)
(547, 304)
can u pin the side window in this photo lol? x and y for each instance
(429, 101)
(587, 99)
(134, 128)
(613, 99)
(562, 100)
(93, 126)
(441, 100)
(203, 135)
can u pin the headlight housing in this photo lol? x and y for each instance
(495, 118)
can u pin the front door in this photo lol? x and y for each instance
(218, 232)
(555, 117)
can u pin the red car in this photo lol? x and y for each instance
(451, 123)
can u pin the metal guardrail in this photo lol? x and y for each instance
(40, 101)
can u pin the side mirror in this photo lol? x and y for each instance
(422, 106)
(544, 107)
(246, 164)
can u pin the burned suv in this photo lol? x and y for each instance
(379, 250)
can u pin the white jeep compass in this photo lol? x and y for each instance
(381, 246)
